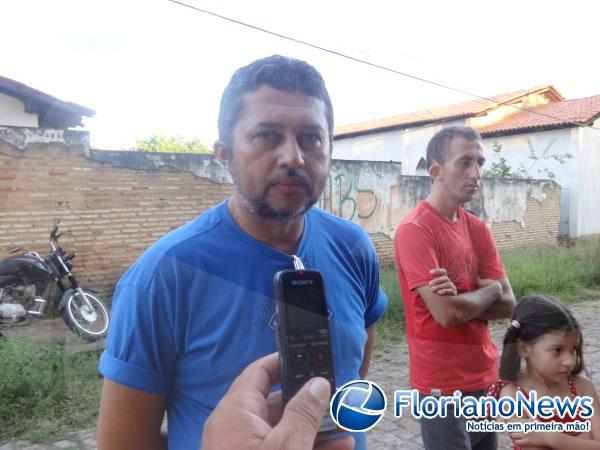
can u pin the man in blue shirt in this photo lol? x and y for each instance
(197, 307)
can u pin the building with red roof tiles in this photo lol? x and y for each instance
(563, 136)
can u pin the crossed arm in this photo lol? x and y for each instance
(493, 299)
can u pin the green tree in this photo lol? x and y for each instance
(171, 144)
(501, 168)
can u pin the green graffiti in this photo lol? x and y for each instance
(346, 197)
(345, 194)
(368, 191)
(323, 199)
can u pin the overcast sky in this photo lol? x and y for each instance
(151, 66)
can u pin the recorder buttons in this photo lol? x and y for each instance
(321, 356)
(300, 359)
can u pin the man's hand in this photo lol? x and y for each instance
(248, 417)
(456, 308)
(483, 282)
(503, 307)
(442, 285)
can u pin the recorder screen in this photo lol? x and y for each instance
(306, 309)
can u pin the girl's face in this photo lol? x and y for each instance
(552, 356)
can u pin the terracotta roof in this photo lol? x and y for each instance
(567, 113)
(442, 114)
(52, 112)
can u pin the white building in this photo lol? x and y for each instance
(24, 106)
(538, 118)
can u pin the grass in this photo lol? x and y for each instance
(46, 391)
(391, 325)
(568, 273)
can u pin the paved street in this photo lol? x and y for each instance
(390, 370)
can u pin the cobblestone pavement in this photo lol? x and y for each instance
(390, 370)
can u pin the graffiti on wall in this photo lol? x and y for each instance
(345, 198)
(372, 196)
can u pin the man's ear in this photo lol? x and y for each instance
(435, 171)
(221, 153)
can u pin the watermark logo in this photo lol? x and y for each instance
(358, 405)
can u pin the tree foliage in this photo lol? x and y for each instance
(500, 168)
(172, 144)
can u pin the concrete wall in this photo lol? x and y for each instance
(12, 113)
(588, 177)
(376, 196)
(113, 205)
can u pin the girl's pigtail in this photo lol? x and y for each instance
(510, 361)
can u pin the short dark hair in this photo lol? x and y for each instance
(279, 72)
(536, 315)
(439, 143)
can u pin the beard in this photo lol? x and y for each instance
(261, 207)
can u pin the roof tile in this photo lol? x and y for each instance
(440, 114)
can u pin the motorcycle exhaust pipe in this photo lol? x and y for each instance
(39, 306)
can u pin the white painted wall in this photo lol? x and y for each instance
(515, 149)
(588, 175)
(406, 146)
(12, 113)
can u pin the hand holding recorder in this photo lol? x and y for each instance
(249, 417)
(303, 337)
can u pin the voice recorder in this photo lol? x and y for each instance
(303, 337)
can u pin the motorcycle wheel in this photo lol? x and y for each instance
(89, 324)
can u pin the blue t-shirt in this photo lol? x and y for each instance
(197, 308)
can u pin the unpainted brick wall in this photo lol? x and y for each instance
(540, 223)
(109, 215)
(385, 248)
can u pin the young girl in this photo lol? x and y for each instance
(544, 333)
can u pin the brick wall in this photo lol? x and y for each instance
(539, 225)
(115, 204)
(110, 214)
(385, 248)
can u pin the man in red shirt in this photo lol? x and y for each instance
(447, 320)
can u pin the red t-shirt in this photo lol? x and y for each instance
(461, 357)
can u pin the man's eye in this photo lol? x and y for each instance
(310, 140)
(269, 137)
(266, 135)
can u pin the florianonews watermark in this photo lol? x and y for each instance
(528, 427)
(360, 404)
(470, 407)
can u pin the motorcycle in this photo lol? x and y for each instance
(26, 279)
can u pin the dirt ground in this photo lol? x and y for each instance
(45, 331)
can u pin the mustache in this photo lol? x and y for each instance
(298, 176)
